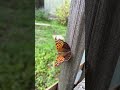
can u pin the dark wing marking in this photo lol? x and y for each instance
(67, 55)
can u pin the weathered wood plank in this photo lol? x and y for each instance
(102, 42)
(53, 87)
(79, 74)
(81, 85)
(76, 40)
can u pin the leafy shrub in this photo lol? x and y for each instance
(63, 12)
(40, 15)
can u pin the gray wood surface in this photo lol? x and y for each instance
(76, 40)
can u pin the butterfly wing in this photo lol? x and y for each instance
(67, 55)
(62, 46)
(64, 52)
(60, 59)
(66, 47)
(59, 45)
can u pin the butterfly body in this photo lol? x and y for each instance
(64, 51)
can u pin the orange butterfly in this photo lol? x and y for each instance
(64, 51)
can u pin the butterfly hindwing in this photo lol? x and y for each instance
(59, 60)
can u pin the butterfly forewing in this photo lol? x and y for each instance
(59, 45)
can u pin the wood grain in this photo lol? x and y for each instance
(76, 39)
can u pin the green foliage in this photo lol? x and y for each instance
(16, 55)
(40, 15)
(45, 54)
(63, 12)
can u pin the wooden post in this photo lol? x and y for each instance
(102, 42)
(76, 40)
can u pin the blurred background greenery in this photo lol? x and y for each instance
(16, 45)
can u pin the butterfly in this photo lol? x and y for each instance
(64, 51)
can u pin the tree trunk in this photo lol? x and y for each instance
(102, 42)
(76, 40)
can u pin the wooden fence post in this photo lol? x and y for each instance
(76, 40)
(102, 34)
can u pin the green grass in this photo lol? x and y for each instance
(45, 54)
